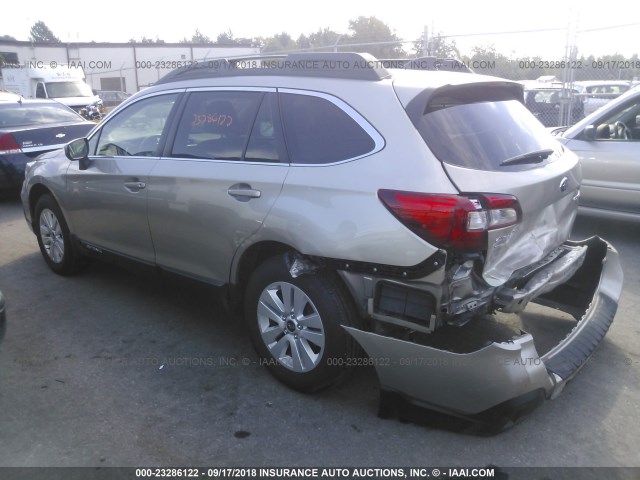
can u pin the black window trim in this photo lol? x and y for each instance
(169, 132)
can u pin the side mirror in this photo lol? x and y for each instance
(590, 132)
(78, 150)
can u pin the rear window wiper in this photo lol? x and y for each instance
(531, 157)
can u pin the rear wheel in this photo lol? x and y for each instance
(54, 239)
(295, 325)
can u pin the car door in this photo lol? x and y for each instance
(217, 181)
(611, 160)
(108, 198)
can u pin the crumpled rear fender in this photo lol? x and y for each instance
(469, 384)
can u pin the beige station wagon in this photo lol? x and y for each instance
(346, 206)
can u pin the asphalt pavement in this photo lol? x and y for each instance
(114, 367)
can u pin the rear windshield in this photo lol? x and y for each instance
(483, 135)
(20, 115)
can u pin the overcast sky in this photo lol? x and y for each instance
(118, 21)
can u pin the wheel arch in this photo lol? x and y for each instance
(247, 261)
(36, 192)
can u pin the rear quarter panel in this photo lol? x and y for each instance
(333, 210)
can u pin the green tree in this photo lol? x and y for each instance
(7, 37)
(303, 42)
(144, 39)
(198, 37)
(438, 46)
(372, 30)
(227, 38)
(258, 42)
(324, 37)
(41, 33)
(279, 43)
(487, 61)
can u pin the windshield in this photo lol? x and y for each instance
(68, 89)
(483, 135)
(32, 115)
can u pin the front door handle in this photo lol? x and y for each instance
(243, 192)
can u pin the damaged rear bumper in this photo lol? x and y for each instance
(503, 379)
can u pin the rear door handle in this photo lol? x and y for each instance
(134, 186)
(243, 192)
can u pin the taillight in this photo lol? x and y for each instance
(8, 144)
(458, 222)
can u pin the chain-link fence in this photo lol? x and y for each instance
(558, 91)
(566, 93)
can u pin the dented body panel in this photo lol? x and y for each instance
(549, 200)
(467, 384)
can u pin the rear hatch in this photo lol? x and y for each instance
(35, 127)
(489, 143)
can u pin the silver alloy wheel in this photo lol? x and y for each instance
(51, 234)
(291, 327)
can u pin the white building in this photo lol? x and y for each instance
(118, 66)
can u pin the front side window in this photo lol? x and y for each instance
(136, 130)
(623, 124)
(319, 132)
(216, 125)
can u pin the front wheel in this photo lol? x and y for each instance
(295, 325)
(54, 239)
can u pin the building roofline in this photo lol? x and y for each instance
(27, 43)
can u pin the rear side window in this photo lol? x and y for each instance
(483, 135)
(216, 125)
(317, 131)
(265, 142)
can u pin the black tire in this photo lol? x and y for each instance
(334, 307)
(54, 239)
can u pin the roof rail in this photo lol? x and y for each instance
(427, 63)
(346, 65)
